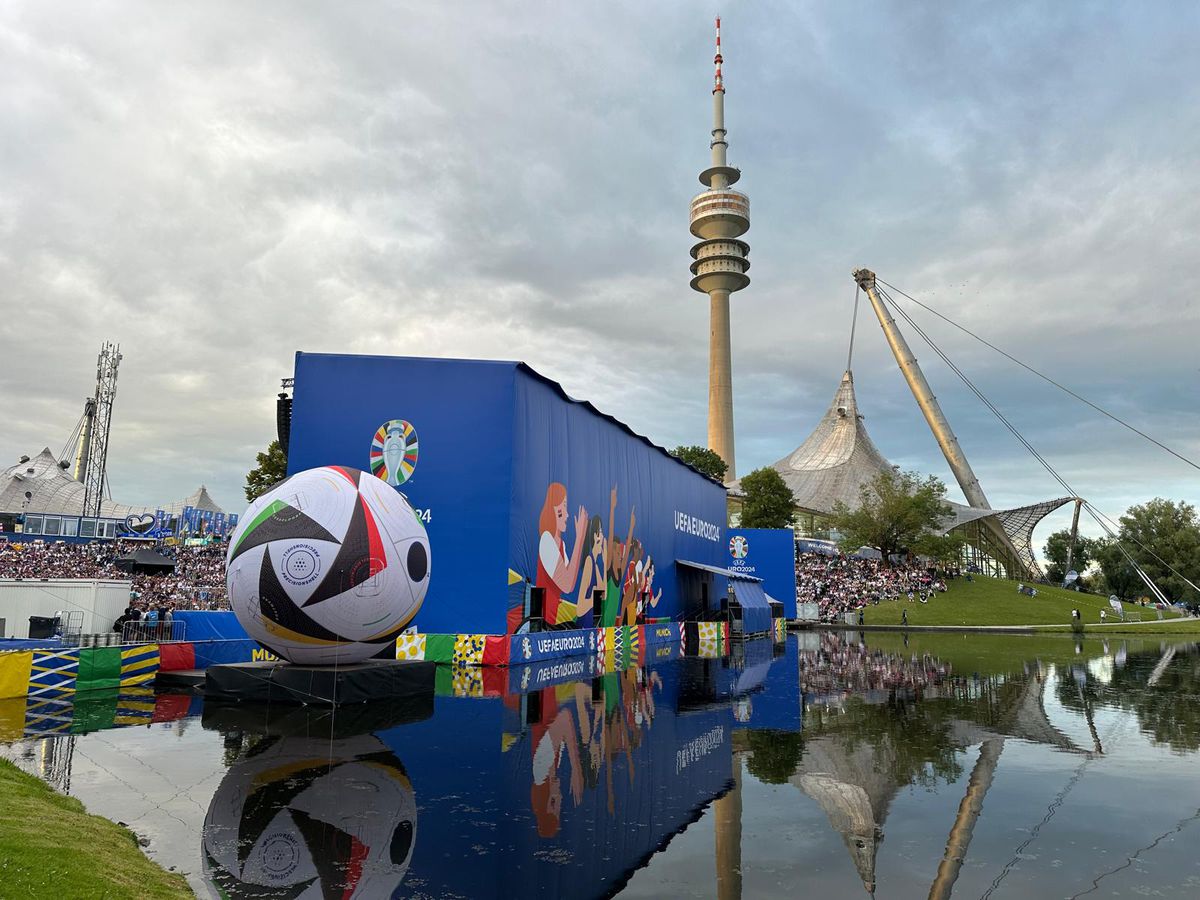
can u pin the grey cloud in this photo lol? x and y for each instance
(219, 185)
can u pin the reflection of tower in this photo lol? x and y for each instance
(964, 820)
(727, 824)
(719, 216)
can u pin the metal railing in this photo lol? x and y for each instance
(153, 632)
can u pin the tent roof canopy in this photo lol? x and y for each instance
(838, 459)
(52, 490)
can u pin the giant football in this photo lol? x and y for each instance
(328, 567)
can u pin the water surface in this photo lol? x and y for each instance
(835, 764)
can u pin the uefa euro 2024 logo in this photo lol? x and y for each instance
(394, 452)
(738, 547)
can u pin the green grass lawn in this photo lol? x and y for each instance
(50, 847)
(995, 601)
(990, 653)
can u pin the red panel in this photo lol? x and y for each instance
(495, 650)
(174, 657)
(169, 707)
(495, 681)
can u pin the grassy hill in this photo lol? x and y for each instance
(995, 601)
(50, 847)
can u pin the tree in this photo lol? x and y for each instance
(768, 501)
(271, 469)
(1055, 552)
(896, 511)
(707, 461)
(945, 549)
(776, 754)
(1117, 576)
(1167, 531)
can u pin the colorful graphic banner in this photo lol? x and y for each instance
(510, 475)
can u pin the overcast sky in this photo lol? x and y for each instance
(217, 185)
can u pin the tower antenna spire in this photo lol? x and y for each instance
(719, 217)
(718, 83)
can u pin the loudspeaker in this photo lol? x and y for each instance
(283, 421)
(537, 608)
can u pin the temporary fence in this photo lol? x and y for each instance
(141, 632)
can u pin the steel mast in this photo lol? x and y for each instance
(932, 410)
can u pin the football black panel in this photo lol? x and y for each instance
(352, 565)
(288, 523)
(278, 607)
(418, 561)
(331, 850)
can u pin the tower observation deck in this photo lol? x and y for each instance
(719, 217)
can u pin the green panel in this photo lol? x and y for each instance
(439, 647)
(443, 681)
(95, 711)
(99, 667)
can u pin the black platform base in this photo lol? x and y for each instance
(180, 681)
(282, 682)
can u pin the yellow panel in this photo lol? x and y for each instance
(14, 673)
(12, 719)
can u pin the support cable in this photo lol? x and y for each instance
(1095, 512)
(73, 440)
(1040, 375)
(887, 298)
(853, 323)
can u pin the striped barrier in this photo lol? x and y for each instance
(618, 646)
(80, 713)
(54, 673)
(45, 673)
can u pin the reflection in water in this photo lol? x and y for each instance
(587, 726)
(1162, 689)
(309, 817)
(570, 779)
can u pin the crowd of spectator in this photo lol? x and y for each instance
(841, 584)
(197, 581)
(842, 666)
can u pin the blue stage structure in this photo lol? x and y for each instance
(768, 554)
(519, 486)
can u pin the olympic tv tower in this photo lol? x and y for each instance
(719, 216)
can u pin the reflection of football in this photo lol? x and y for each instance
(328, 566)
(306, 818)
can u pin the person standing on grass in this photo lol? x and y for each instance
(904, 617)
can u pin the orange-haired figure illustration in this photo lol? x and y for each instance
(557, 570)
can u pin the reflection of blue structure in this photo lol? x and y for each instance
(535, 795)
(550, 781)
(741, 680)
(514, 475)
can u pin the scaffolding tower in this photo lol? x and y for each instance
(97, 452)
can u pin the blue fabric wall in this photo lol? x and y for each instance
(771, 556)
(462, 412)
(756, 614)
(492, 437)
(214, 625)
(679, 514)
